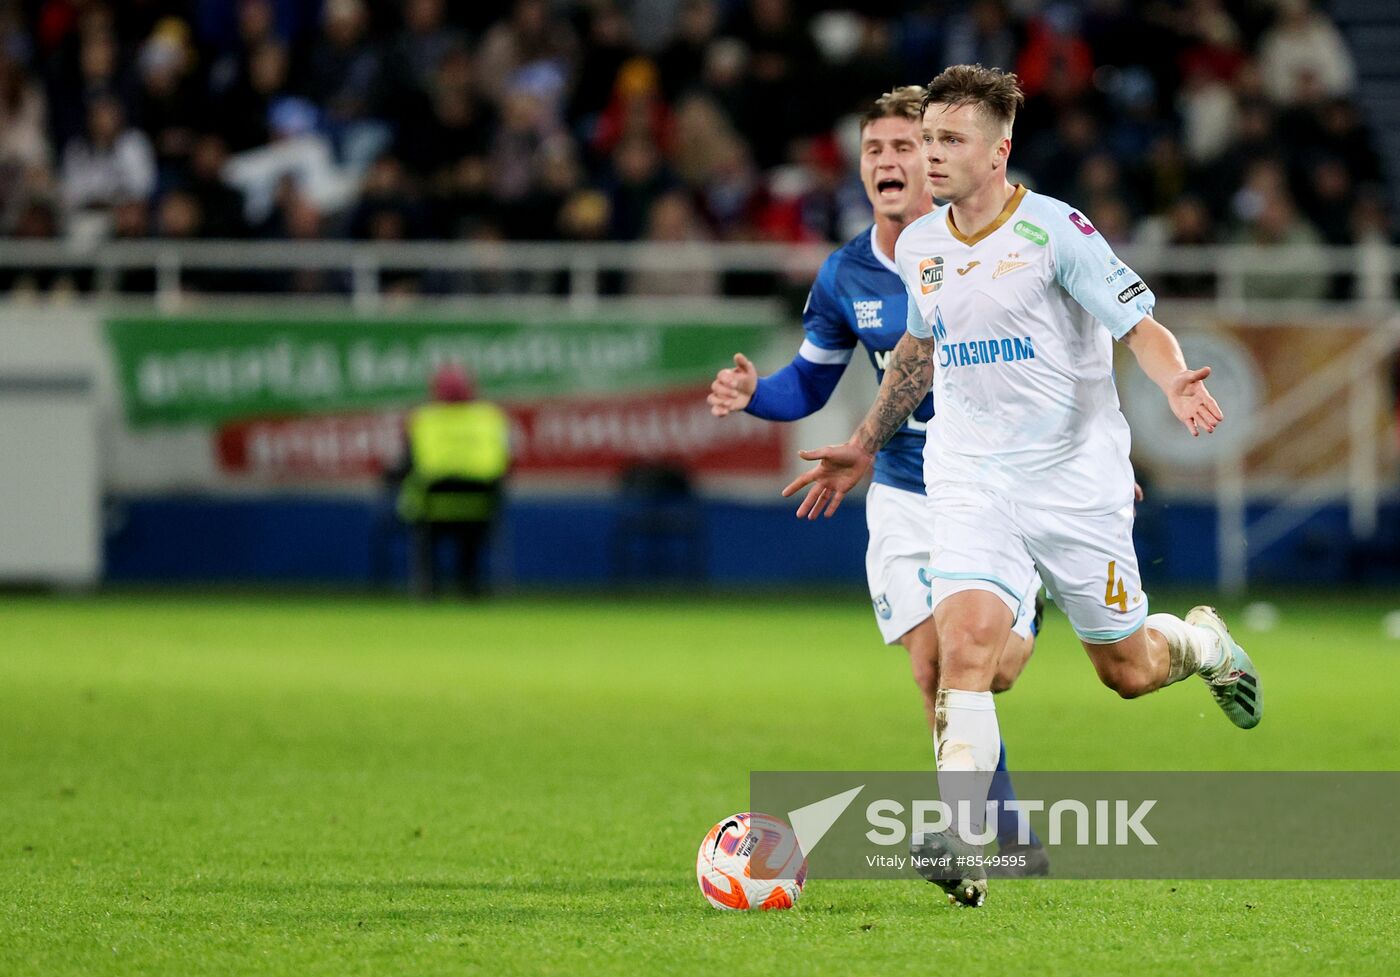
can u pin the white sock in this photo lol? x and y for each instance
(1192, 649)
(968, 741)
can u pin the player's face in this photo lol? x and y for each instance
(892, 169)
(960, 151)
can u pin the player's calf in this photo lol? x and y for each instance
(1012, 662)
(1168, 650)
(1130, 679)
(1019, 645)
(1132, 666)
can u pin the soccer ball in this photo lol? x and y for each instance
(751, 861)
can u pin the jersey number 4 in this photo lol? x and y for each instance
(1114, 593)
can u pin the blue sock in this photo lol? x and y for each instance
(1002, 791)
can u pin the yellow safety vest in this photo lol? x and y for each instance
(460, 441)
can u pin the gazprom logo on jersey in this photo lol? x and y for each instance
(1119, 271)
(982, 352)
(978, 352)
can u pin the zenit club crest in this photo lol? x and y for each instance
(1009, 264)
(882, 607)
(931, 274)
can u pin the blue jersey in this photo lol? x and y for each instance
(858, 299)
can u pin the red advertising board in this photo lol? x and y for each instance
(600, 435)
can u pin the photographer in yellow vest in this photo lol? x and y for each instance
(458, 457)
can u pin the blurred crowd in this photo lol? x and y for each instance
(1183, 121)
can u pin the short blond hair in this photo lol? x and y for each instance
(906, 103)
(996, 93)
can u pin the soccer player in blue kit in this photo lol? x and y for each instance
(858, 299)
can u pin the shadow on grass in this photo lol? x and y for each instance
(378, 902)
(569, 886)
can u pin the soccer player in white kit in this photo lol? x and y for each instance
(1014, 301)
(858, 304)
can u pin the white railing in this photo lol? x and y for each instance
(1353, 377)
(1229, 269)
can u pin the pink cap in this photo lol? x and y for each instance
(453, 384)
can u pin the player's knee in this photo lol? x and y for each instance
(972, 638)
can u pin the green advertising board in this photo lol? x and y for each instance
(209, 370)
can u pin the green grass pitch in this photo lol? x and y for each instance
(196, 786)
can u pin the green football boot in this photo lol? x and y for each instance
(1233, 681)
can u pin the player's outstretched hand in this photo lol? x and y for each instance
(1192, 403)
(733, 387)
(840, 469)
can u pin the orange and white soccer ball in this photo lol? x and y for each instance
(751, 861)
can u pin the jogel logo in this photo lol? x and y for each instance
(931, 274)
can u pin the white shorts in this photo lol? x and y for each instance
(896, 563)
(984, 541)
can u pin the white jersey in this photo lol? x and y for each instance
(1023, 314)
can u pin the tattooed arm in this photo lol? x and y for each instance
(841, 466)
(907, 379)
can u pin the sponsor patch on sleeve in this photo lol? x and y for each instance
(1132, 291)
(1081, 222)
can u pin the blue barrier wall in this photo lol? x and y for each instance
(597, 542)
(573, 542)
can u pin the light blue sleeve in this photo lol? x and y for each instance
(914, 319)
(1087, 268)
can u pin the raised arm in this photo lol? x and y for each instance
(1159, 355)
(1123, 303)
(804, 385)
(801, 388)
(841, 466)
